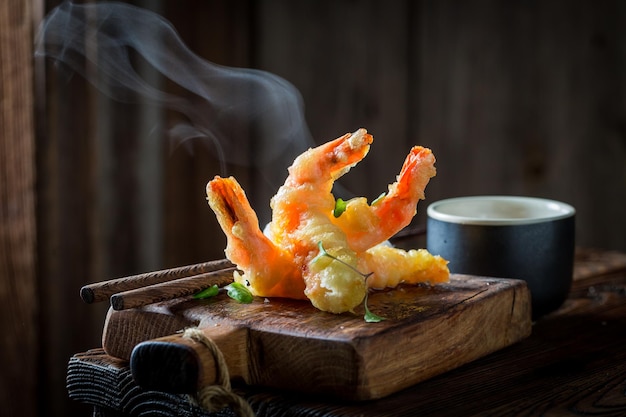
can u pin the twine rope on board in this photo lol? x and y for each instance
(215, 397)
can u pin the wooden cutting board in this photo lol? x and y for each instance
(289, 344)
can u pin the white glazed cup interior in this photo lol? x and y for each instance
(498, 210)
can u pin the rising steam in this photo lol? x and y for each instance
(242, 112)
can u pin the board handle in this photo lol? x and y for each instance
(182, 365)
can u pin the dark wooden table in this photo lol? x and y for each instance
(574, 363)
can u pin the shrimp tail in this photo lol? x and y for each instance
(267, 270)
(404, 194)
(325, 163)
(367, 225)
(235, 216)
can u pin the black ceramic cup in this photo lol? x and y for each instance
(508, 237)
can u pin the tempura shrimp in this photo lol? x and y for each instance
(367, 225)
(300, 222)
(268, 270)
(391, 266)
(290, 260)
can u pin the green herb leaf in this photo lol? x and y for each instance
(207, 293)
(239, 292)
(340, 207)
(369, 316)
(378, 199)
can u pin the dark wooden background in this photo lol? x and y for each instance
(514, 97)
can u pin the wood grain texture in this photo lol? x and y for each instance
(573, 364)
(18, 226)
(114, 198)
(170, 290)
(222, 32)
(292, 345)
(352, 73)
(518, 97)
(178, 364)
(512, 98)
(101, 291)
(522, 97)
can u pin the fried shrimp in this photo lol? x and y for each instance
(392, 266)
(268, 270)
(290, 259)
(368, 225)
(300, 221)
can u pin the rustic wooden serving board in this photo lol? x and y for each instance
(289, 344)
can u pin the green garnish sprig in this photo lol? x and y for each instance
(369, 316)
(207, 293)
(239, 292)
(235, 290)
(341, 205)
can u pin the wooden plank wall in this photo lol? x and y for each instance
(18, 233)
(513, 97)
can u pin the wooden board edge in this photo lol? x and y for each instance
(499, 320)
(124, 329)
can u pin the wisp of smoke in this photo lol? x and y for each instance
(250, 116)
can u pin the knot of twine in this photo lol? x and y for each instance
(215, 397)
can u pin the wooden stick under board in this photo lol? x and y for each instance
(101, 291)
(172, 289)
